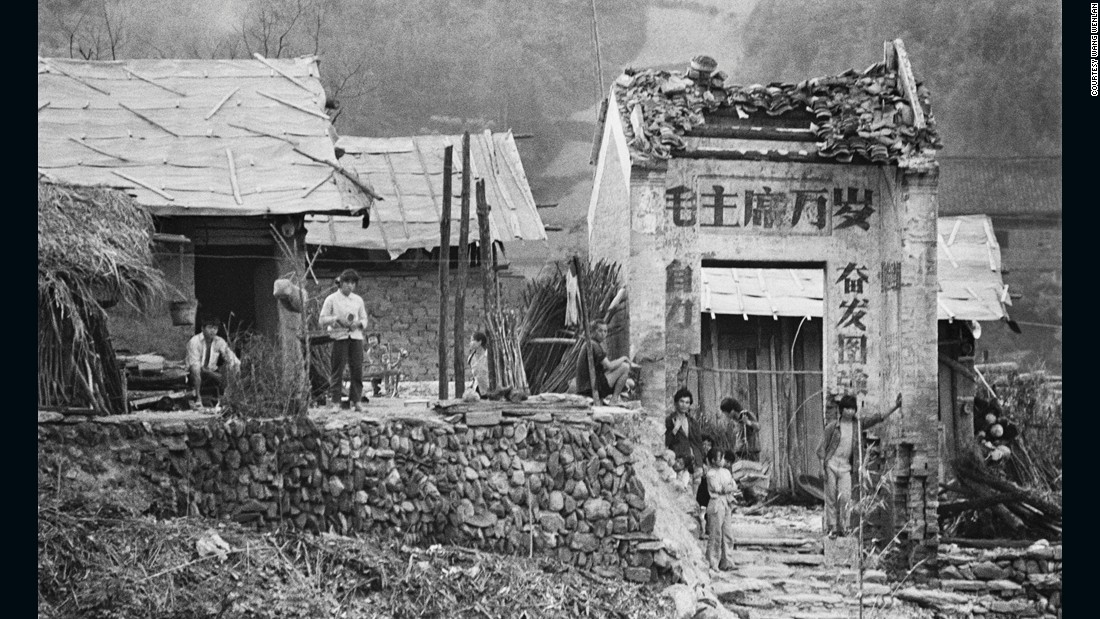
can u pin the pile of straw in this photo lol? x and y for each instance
(99, 558)
(94, 251)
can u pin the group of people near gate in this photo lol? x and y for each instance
(718, 487)
(211, 361)
(709, 469)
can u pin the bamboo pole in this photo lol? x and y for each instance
(444, 269)
(463, 267)
(485, 245)
(587, 335)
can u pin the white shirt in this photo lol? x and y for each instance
(196, 352)
(719, 481)
(841, 461)
(340, 306)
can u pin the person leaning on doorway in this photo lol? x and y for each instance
(838, 452)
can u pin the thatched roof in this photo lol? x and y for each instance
(93, 249)
(95, 243)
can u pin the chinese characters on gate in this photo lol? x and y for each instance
(721, 202)
(852, 288)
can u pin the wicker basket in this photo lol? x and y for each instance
(183, 312)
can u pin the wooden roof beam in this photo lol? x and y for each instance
(752, 133)
(909, 83)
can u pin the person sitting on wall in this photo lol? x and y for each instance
(345, 316)
(611, 374)
(478, 364)
(210, 361)
(682, 434)
(838, 453)
(746, 428)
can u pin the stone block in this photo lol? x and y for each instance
(597, 508)
(638, 574)
(534, 466)
(551, 522)
(569, 504)
(580, 491)
(1018, 608)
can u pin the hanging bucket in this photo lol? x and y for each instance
(183, 312)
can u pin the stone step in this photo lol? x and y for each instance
(797, 559)
(809, 598)
(752, 570)
(789, 544)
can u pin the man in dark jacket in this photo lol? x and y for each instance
(838, 452)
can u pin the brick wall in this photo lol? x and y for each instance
(404, 307)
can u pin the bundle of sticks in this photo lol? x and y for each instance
(506, 353)
(1019, 510)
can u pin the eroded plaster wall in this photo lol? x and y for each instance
(870, 228)
(152, 331)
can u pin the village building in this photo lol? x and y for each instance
(1023, 198)
(779, 244)
(227, 155)
(397, 254)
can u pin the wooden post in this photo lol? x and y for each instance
(485, 246)
(587, 336)
(463, 267)
(444, 269)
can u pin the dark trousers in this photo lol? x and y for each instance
(347, 352)
(213, 383)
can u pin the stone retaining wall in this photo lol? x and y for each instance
(1010, 582)
(554, 488)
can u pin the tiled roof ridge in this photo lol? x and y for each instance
(865, 114)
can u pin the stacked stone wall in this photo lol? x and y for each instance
(524, 485)
(1009, 582)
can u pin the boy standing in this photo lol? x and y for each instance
(838, 451)
(345, 315)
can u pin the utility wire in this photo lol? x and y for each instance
(599, 60)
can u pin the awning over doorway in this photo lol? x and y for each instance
(763, 292)
(968, 268)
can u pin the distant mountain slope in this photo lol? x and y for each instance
(994, 66)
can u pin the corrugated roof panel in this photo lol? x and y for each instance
(415, 201)
(159, 130)
(968, 288)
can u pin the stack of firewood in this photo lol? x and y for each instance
(1019, 511)
(506, 351)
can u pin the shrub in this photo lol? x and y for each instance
(268, 384)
